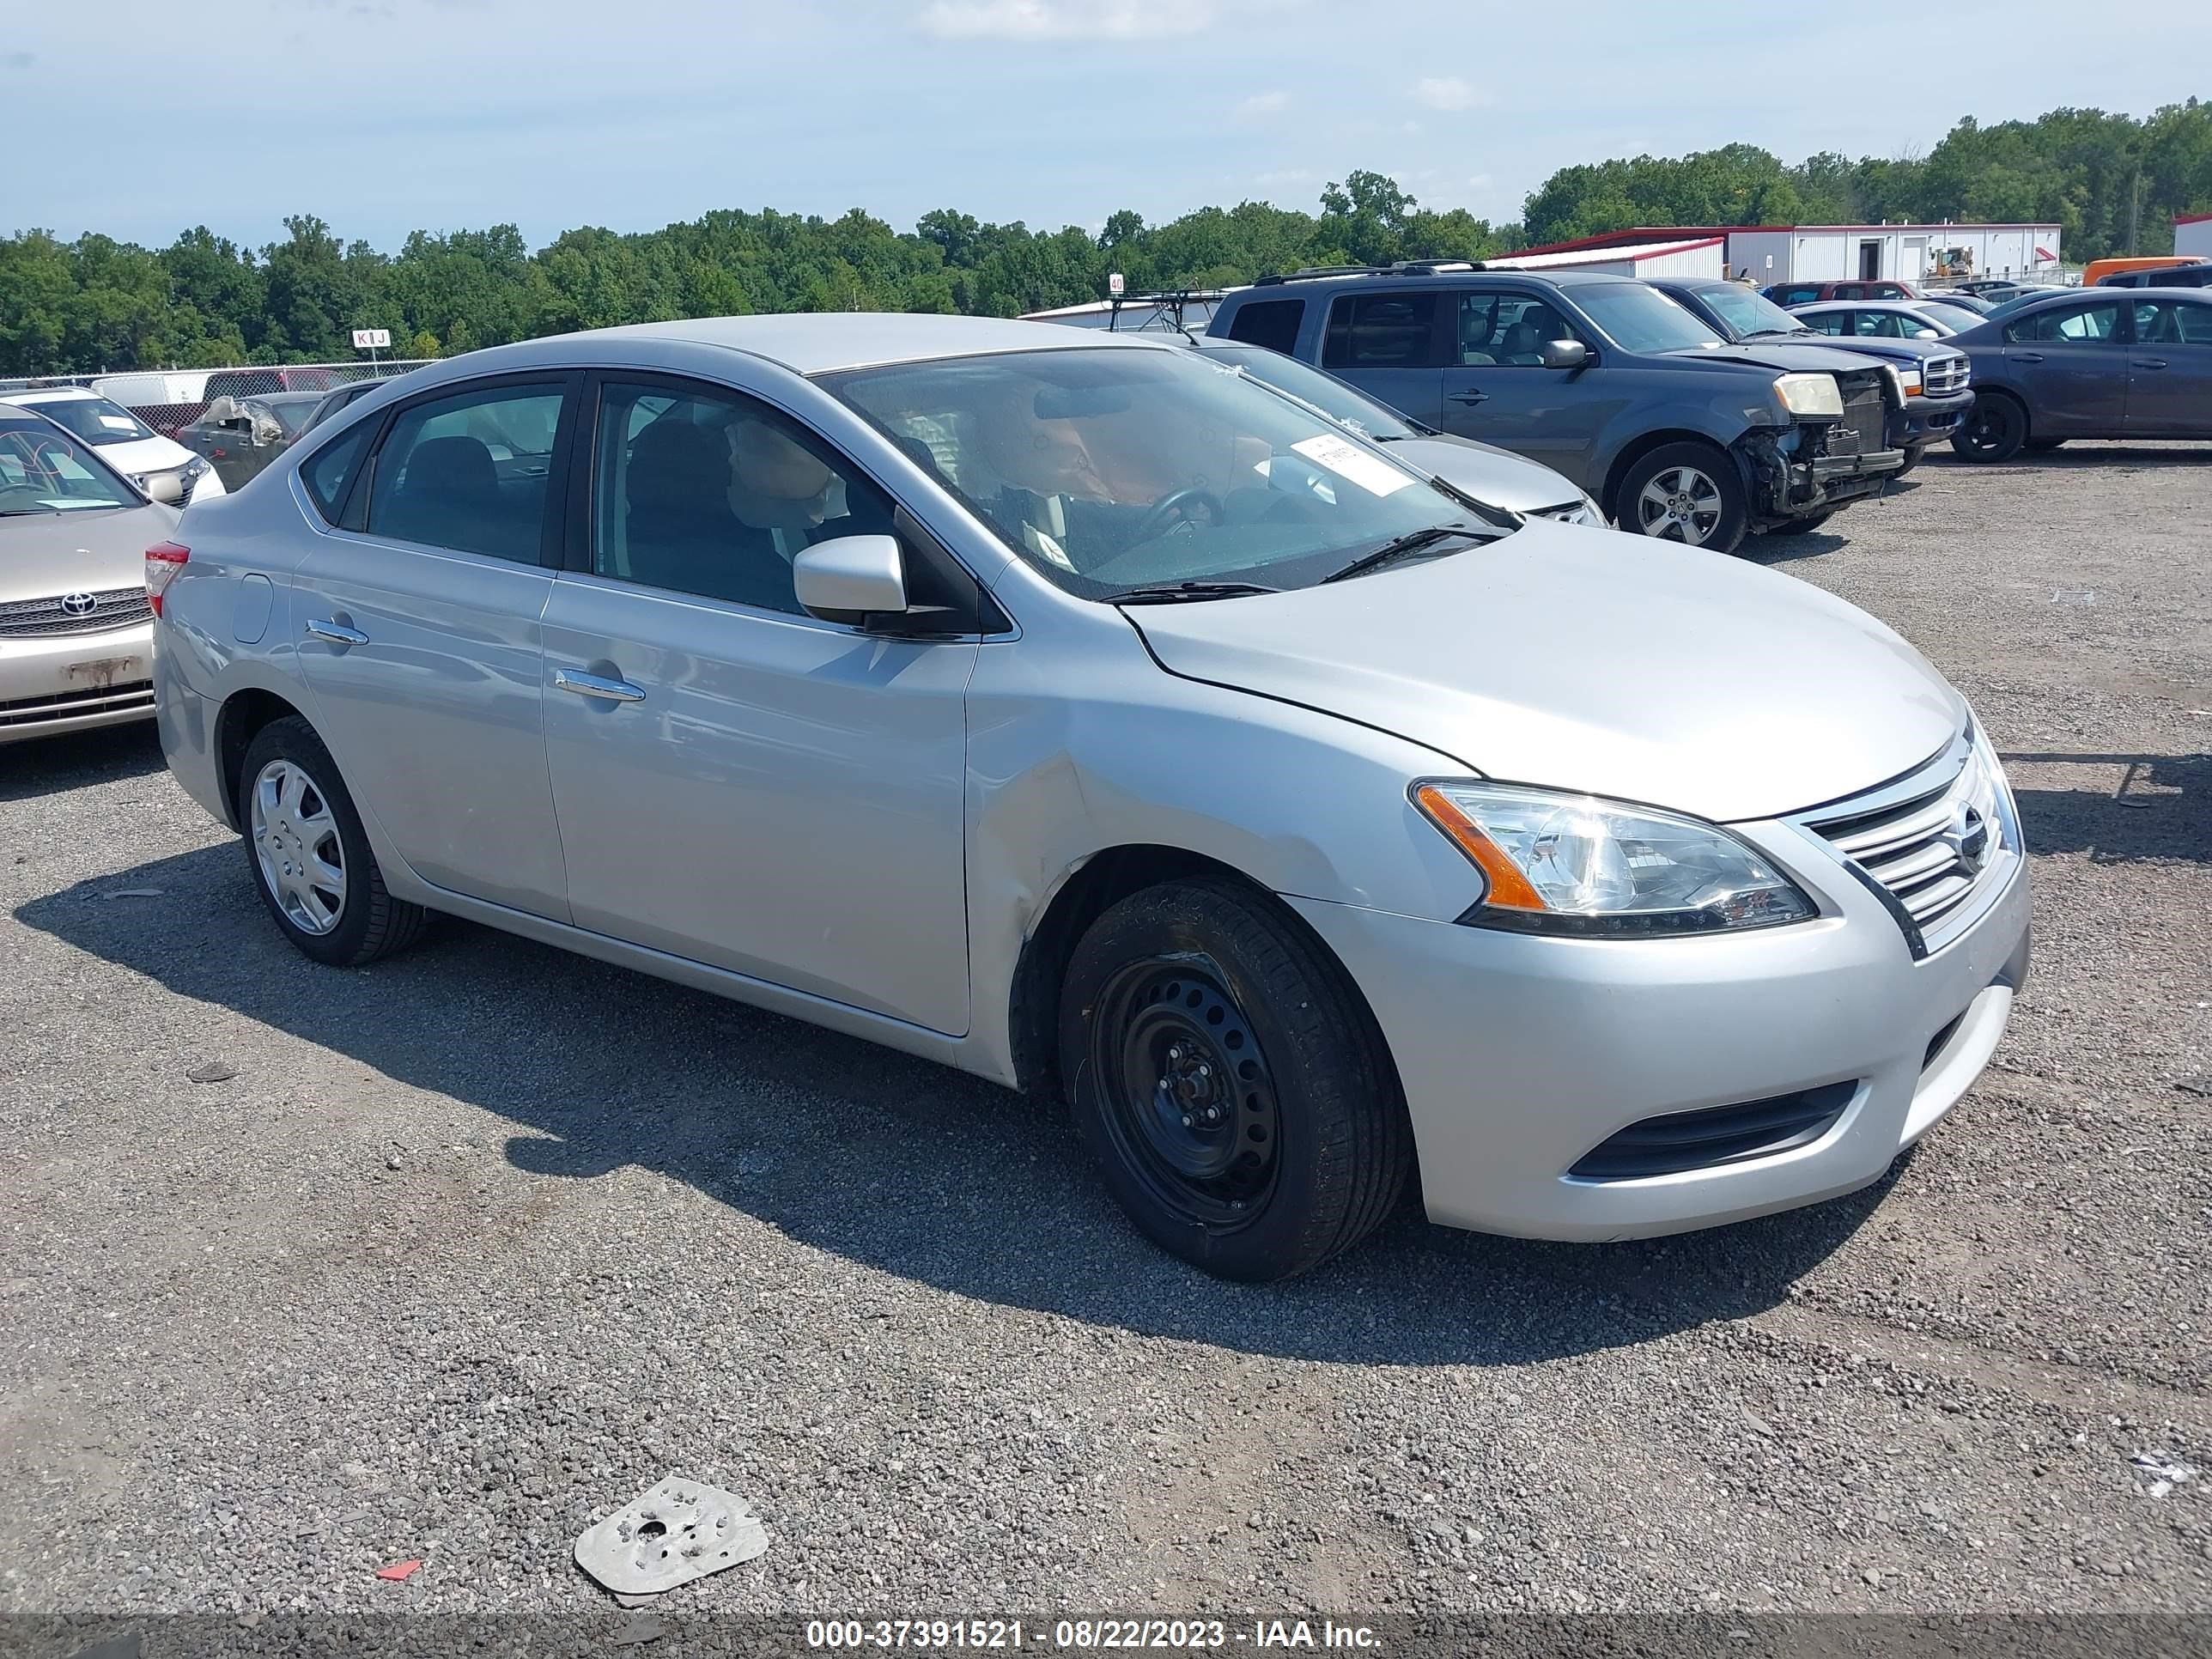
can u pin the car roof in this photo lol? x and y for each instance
(820, 343)
(51, 394)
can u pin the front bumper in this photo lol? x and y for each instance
(1520, 1055)
(1929, 420)
(1790, 477)
(50, 684)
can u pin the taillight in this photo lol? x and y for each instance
(163, 560)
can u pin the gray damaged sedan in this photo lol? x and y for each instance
(1056, 706)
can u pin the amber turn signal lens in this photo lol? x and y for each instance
(1508, 889)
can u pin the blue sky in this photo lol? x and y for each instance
(139, 119)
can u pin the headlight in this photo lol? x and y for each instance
(1993, 793)
(1591, 513)
(1600, 869)
(192, 470)
(1815, 395)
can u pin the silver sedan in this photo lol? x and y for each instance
(1055, 705)
(75, 633)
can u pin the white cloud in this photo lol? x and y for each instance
(1445, 92)
(1064, 20)
(1263, 103)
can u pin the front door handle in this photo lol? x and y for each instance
(2027, 356)
(2147, 362)
(596, 685)
(338, 633)
(1470, 396)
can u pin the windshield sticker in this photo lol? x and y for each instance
(1355, 465)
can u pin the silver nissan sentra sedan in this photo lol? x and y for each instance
(1064, 708)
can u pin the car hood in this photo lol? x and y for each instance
(46, 554)
(1589, 660)
(142, 455)
(1496, 477)
(1780, 356)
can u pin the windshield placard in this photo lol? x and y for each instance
(1355, 465)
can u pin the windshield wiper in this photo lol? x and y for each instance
(1768, 333)
(1398, 547)
(1179, 591)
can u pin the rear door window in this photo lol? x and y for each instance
(2077, 324)
(470, 471)
(1273, 324)
(328, 473)
(1382, 331)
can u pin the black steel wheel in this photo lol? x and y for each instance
(1185, 1091)
(1994, 429)
(1230, 1081)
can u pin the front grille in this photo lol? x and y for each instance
(34, 711)
(110, 608)
(1719, 1135)
(1941, 377)
(1930, 844)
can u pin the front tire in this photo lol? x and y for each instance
(1804, 526)
(1996, 429)
(309, 855)
(1685, 492)
(1913, 455)
(1229, 1082)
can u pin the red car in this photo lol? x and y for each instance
(1803, 294)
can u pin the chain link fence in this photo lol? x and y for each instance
(169, 399)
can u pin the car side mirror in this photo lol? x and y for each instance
(1925, 334)
(165, 487)
(1563, 353)
(851, 579)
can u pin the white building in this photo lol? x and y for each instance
(1657, 255)
(1820, 254)
(2192, 234)
(1827, 253)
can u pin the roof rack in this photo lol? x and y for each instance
(1400, 268)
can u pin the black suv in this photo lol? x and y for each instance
(1676, 432)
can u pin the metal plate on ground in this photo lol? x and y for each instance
(678, 1531)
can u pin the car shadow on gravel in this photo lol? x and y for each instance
(895, 1162)
(1771, 550)
(2161, 810)
(46, 766)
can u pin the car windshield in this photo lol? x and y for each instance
(1636, 318)
(1118, 468)
(45, 470)
(95, 420)
(1747, 312)
(1346, 404)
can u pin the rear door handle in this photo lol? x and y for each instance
(338, 633)
(2027, 356)
(2147, 362)
(596, 685)
(1470, 396)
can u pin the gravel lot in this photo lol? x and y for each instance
(479, 1242)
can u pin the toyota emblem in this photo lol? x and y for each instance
(77, 605)
(1969, 838)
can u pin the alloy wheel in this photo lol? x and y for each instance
(1682, 504)
(297, 847)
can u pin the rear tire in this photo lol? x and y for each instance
(310, 856)
(1229, 1082)
(1685, 492)
(1994, 429)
